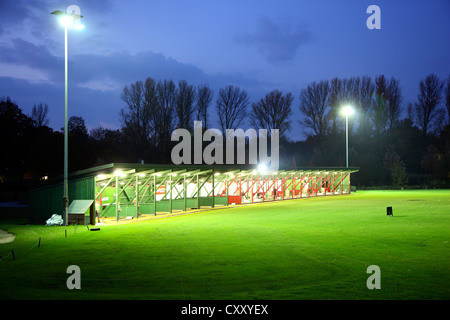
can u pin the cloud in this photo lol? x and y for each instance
(31, 74)
(278, 43)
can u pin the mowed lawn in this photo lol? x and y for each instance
(316, 248)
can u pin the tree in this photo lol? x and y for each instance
(394, 98)
(15, 139)
(363, 94)
(398, 174)
(77, 127)
(395, 166)
(314, 107)
(203, 101)
(136, 118)
(428, 114)
(185, 104)
(79, 145)
(386, 103)
(231, 106)
(273, 112)
(342, 92)
(39, 114)
(110, 146)
(447, 97)
(379, 106)
(164, 116)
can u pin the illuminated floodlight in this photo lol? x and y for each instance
(67, 18)
(262, 168)
(66, 21)
(348, 111)
(119, 173)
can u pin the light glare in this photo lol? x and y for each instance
(348, 111)
(262, 168)
(66, 21)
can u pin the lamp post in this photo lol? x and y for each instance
(347, 111)
(68, 19)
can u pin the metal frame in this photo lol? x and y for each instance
(136, 191)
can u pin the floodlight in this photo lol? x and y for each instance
(66, 21)
(348, 111)
(262, 168)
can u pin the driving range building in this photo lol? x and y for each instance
(127, 191)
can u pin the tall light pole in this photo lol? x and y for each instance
(68, 19)
(347, 111)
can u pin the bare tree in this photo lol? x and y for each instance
(341, 92)
(164, 116)
(273, 112)
(314, 107)
(39, 114)
(379, 105)
(394, 98)
(231, 106)
(136, 118)
(428, 114)
(334, 101)
(185, 104)
(203, 101)
(364, 89)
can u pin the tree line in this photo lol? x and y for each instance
(392, 142)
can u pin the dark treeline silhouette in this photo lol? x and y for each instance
(390, 149)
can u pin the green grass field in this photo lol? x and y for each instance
(317, 248)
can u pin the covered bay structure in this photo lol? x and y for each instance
(124, 191)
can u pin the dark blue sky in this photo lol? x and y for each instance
(259, 45)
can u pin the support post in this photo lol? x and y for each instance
(184, 193)
(226, 186)
(136, 191)
(170, 199)
(117, 198)
(154, 193)
(213, 194)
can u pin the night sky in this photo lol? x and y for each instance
(258, 45)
